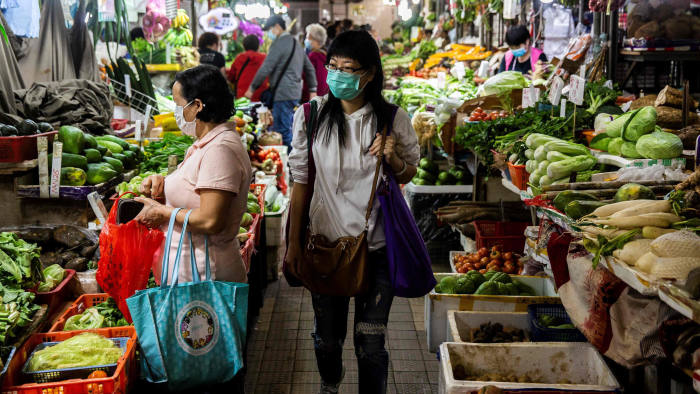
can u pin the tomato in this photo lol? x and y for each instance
(495, 254)
(482, 271)
(509, 268)
(483, 252)
(473, 118)
(478, 109)
(99, 374)
(497, 247)
(507, 255)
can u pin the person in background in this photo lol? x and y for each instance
(245, 66)
(314, 44)
(287, 82)
(522, 56)
(345, 152)
(135, 33)
(209, 47)
(346, 25)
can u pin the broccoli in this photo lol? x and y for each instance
(448, 284)
(488, 288)
(465, 285)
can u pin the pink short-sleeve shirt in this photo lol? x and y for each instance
(218, 161)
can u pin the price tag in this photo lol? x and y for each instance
(562, 108)
(127, 84)
(527, 98)
(168, 51)
(54, 189)
(138, 133)
(582, 71)
(42, 146)
(555, 90)
(534, 94)
(458, 70)
(147, 119)
(577, 85)
(98, 207)
(441, 80)
(626, 106)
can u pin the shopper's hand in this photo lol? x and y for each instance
(153, 186)
(153, 213)
(249, 94)
(388, 146)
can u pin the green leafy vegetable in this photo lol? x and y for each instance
(660, 145)
(157, 153)
(84, 350)
(53, 275)
(19, 262)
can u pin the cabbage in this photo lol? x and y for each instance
(628, 150)
(53, 275)
(614, 128)
(601, 121)
(91, 318)
(615, 146)
(503, 83)
(660, 145)
(643, 122)
(84, 350)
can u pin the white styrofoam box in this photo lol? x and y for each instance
(274, 226)
(638, 280)
(460, 324)
(444, 189)
(437, 305)
(566, 366)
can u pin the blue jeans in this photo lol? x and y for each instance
(371, 318)
(283, 114)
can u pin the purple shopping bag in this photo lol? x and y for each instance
(409, 263)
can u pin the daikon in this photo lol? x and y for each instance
(657, 219)
(652, 232)
(633, 250)
(610, 209)
(649, 206)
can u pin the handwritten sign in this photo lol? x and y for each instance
(555, 90)
(458, 70)
(138, 132)
(578, 85)
(127, 85)
(562, 108)
(42, 146)
(54, 189)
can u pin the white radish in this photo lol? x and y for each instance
(652, 232)
(646, 207)
(607, 210)
(633, 250)
(648, 219)
(646, 262)
(608, 233)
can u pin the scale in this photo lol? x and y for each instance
(219, 20)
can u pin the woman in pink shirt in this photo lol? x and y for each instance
(213, 180)
(315, 40)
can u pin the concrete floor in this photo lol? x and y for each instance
(281, 359)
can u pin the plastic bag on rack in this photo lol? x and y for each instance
(127, 253)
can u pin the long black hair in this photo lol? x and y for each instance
(361, 47)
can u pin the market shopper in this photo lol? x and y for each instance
(314, 44)
(345, 149)
(245, 66)
(522, 56)
(284, 64)
(209, 47)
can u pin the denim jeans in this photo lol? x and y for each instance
(371, 318)
(283, 117)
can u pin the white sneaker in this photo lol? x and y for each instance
(331, 388)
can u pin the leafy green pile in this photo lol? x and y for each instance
(424, 49)
(596, 95)
(53, 275)
(19, 262)
(134, 185)
(16, 312)
(105, 314)
(84, 350)
(414, 93)
(157, 153)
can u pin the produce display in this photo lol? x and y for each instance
(63, 245)
(549, 321)
(552, 161)
(413, 92)
(489, 283)
(428, 173)
(24, 128)
(53, 276)
(84, 350)
(485, 260)
(104, 314)
(496, 333)
(134, 185)
(156, 153)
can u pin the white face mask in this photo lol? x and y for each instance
(187, 128)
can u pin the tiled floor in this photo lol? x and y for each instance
(281, 358)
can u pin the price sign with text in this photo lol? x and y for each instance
(577, 86)
(555, 90)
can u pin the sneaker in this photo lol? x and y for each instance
(332, 388)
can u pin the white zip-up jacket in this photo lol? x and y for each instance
(344, 174)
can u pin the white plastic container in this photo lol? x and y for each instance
(437, 305)
(461, 324)
(566, 366)
(274, 226)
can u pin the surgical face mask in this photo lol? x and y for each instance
(519, 52)
(343, 85)
(307, 44)
(187, 128)
(272, 36)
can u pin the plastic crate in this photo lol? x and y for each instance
(83, 302)
(61, 293)
(518, 175)
(538, 333)
(6, 354)
(510, 235)
(19, 149)
(118, 382)
(54, 375)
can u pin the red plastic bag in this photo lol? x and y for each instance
(127, 253)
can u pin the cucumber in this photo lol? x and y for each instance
(134, 148)
(103, 151)
(71, 160)
(113, 147)
(116, 164)
(90, 141)
(99, 173)
(92, 155)
(564, 198)
(71, 176)
(116, 140)
(579, 208)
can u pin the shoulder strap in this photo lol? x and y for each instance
(284, 68)
(380, 160)
(242, 68)
(509, 59)
(534, 57)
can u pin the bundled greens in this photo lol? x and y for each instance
(53, 275)
(16, 312)
(157, 153)
(596, 95)
(19, 262)
(84, 350)
(105, 314)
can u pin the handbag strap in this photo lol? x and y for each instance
(284, 68)
(193, 260)
(166, 254)
(166, 248)
(380, 159)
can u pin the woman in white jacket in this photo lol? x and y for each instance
(345, 149)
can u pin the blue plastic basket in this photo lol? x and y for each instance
(6, 354)
(55, 375)
(538, 333)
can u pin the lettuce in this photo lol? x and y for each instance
(641, 123)
(503, 83)
(53, 275)
(84, 350)
(660, 145)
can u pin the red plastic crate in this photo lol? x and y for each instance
(247, 250)
(19, 149)
(83, 302)
(55, 297)
(510, 235)
(119, 382)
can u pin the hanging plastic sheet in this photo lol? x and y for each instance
(10, 77)
(49, 57)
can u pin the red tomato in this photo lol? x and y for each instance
(507, 255)
(483, 252)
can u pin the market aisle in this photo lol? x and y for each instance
(281, 358)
